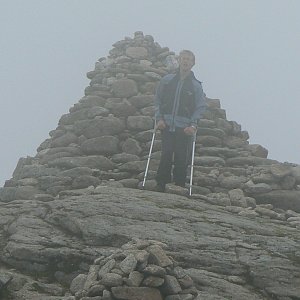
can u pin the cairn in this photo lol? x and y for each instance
(105, 139)
(140, 270)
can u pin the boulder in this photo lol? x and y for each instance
(124, 88)
(285, 199)
(105, 145)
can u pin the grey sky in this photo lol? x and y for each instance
(247, 55)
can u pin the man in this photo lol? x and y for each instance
(179, 104)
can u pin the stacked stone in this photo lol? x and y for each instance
(105, 139)
(140, 270)
(105, 136)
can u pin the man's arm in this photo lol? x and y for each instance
(159, 95)
(199, 110)
(160, 123)
(158, 101)
(159, 118)
(200, 102)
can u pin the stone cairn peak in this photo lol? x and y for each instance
(105, 140)
(141, 269)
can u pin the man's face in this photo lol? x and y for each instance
(186, 62)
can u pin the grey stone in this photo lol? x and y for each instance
(128, 264)
(139, 123)
(263, 178)
(93, 161)
(148, 111)
(133, 166)
(64, 140)
(137, 52)
(107, 295)
(8, 194)
(142, 101)
(76, 172)
(288, 182)
(251, 202)
(179, 272)
(209, 141)
(106, 268)
(124, 88)
(22, 162)
(35, 171)
(296, 173)
(141, 255)
(280, 170)
(249, 161)
(46, 182)
(232, 182)
(173, 297)
(171, 285)
(97, 111)
(105, 145)
(124, 157)
(111, 279)
(129, 182)
(78, 283)
(203, 179)
(287, 200)
(43, 197)
(135, 293)
(222, 287)
(154, 270)
(91, 278)
(237, 198)
(258, 188)
(71, 118)
(96, 290)
(258, 150)
(218, 199)
(209, 161)
(28, 181)
(135, 278)
(186, 282)
(90, 101)
(120, 107)
(153, 281)
(248, 213)
(158, 256)
(99, 127)
(217, 151)
(266, 212)
(85, 181)
(219, 133)
(131, 146)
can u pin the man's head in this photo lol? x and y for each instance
(186, 60)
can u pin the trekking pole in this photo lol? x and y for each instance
(149, 155)
(192, 163)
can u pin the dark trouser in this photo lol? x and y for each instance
(175, 144)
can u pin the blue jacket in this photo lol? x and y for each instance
(180, 103)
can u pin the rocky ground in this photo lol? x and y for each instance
(76, 202)
(44, 245)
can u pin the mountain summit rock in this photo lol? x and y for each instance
(74, 225)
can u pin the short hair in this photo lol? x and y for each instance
(189, 52)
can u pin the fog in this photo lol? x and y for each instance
(247, 55)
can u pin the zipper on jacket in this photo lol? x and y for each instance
(176, 104)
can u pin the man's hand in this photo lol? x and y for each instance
(190, 130)
(161, 125)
